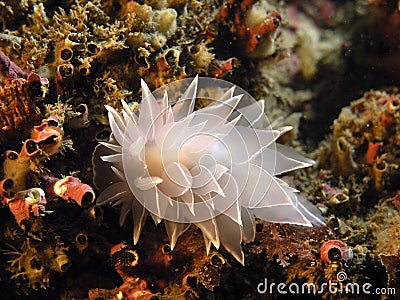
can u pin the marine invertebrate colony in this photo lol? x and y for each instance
(365, 139)
(210, 167)
(19, 92)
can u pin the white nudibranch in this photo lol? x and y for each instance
(213, 167)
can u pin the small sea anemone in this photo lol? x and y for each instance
(211, 167)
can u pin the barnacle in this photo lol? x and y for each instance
(210, 167)
(335, 250)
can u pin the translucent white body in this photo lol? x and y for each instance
(210, 167)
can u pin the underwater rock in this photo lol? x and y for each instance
(294, 55)
(366, 138)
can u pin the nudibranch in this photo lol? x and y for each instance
(213, 167)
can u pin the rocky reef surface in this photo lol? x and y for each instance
(326, 68)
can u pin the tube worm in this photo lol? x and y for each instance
(71, 188)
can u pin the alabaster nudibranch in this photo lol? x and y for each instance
(213, 167)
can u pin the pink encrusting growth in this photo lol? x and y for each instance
(210, 167)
